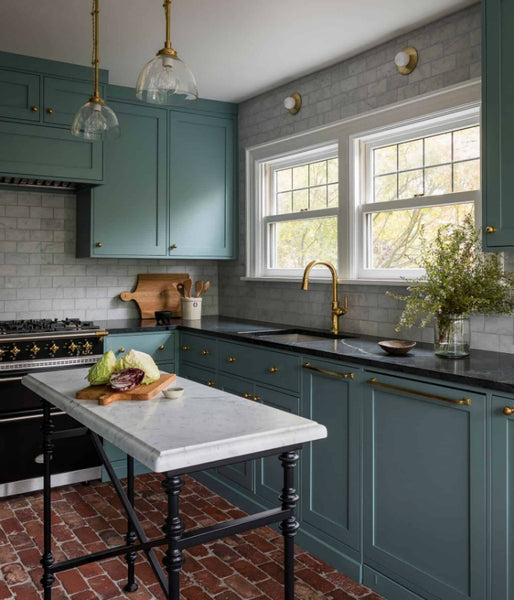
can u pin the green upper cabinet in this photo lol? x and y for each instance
(498, 124)
(201, 174)
(19, 95)
(126, 216)
(62, 99)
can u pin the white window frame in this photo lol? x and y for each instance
(347, 135)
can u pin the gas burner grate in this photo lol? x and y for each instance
(27, 326)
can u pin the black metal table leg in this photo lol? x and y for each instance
(47, 560)
(289, 526)
(131, 537)
(173, 530)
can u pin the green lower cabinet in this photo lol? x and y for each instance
(198, 374)
(502, 499)
(424, 488)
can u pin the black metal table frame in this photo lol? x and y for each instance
(173, 529)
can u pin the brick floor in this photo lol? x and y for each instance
(90, 518)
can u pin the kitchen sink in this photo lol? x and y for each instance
(295, 336)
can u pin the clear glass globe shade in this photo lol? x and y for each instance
(95, 121)
(163, 78)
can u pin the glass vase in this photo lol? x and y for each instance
(452, 336)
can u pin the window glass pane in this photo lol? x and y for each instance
(284, 180)
(333, 170)
(284, 203)
(466, 176)
(301, 177)
(300, 200)
(318, 173)
(438, 180)
(395, 235)
(296, 243)
(410, 155)
(385, 188)
(333, 195)
(438, 149)
(318, 197)
(410, 184)
(385, 160)
(466, 143)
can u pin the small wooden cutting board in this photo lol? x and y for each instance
(155, 292)
(105, 396)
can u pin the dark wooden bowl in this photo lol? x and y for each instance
(397, 347)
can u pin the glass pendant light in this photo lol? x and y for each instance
(166, 76)
(95, 120)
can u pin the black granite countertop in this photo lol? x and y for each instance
(492, 370)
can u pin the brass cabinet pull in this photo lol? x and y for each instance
(273, 369)
(34, 108)
(231, 359)
(326, 372)
(490, 229)
(186, 348)
(121, 350)
(211, 383)
(50, 111)
(98, 244)
(387, 386)
(256, 398)
(205, 352)
(161, 347)
(508, 410)
(173, 246)
(247, 396)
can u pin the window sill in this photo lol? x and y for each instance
(328, 280)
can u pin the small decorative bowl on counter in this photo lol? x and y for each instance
(173, 393)
(397, 347)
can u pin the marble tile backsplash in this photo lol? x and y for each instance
(41, 277)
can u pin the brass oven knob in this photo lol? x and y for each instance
(211, 383)
(231, 359)
(273, 369)
(204, 352)
(72, 347)
(34, 350)
(53, 348)
(2, 352)
(161, 347)
(87, 348)
(15, 351)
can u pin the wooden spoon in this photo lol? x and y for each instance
(206, 286)
(199, 288)
(188, 284)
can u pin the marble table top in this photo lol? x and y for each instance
(203, 426)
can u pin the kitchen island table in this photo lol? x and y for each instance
(203, 429)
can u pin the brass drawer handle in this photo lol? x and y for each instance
(231, 359)
(34, 108)
(490, 229)
(205, 352)
(256, 398)
(98, 244)
(273, 369)
(50, 111)
(247, 396)
(508, 410)
(326, 372)
(211, 383)
(387, 386)
(186, 348)
(173, 246)
(161, 347)
(121, 350)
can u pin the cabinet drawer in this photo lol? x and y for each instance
(198, 374)
(19, 95)
(197, 349)
(160, 345)
(262, 365)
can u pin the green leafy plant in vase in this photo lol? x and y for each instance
(459, 280)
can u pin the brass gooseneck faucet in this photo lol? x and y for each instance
(335, 308)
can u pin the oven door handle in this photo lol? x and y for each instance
(29, 417)
(8, 379)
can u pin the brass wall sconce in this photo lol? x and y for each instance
(293, 103)
(406, 60)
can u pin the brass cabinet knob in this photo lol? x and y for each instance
(186, 348)
(273, 369)
(161, 347)
(231, 359)
(50, 111)
(508, 410)
(490, 229)
(247, 396)
(34, 350)
(121, 350)
(173, 246)
(211, 383)
(256, 398)
(98, 244)
(34, 108)
(205, 352)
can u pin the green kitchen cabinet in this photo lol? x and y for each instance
(126, 216)
(19, 96)
(497, 124)
(198, 374)
(424, 488)
(62, 99)
(502, 498)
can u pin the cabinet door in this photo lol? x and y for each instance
(240, 473)
(63, 98)
(502, 499)
(195, 373)
(128, 212)
(330, 488)
(270, 475)
(19, 96)
(201, 171)
(498, 123)
(424, 487)
(159, 344)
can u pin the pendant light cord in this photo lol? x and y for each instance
(94, 59)
(167, 12)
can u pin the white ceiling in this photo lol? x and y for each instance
(236, 48)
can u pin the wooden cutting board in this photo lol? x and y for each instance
(104, 395)
(155, 292)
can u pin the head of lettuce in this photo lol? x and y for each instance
(100, 373)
